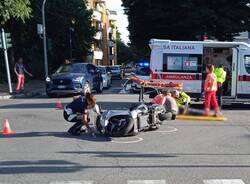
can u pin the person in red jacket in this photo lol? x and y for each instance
(210, 92)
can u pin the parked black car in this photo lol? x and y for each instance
(74, 78)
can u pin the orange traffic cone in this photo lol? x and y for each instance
(6, 127)
(59, 104)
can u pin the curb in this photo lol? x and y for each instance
(6, 97)
(20, 96)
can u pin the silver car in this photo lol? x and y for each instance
(106, 76)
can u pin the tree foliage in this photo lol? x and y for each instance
(61, 17)
(125, 53)
(185, 20)
(19, 9)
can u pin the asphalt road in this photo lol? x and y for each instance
(180, 152)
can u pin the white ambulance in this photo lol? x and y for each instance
(185, 61)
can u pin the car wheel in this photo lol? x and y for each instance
(100, 88)
(109, 84)
(86, 88)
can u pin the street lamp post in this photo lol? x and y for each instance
(70, 43)
(71, 29)
(45, 41)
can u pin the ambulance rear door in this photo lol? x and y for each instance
(243, 84)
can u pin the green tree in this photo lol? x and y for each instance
(185, 20)
(19, 9)
(59, 16)
(125, 53)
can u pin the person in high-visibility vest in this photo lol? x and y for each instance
(182, 99)
(221, 77)
(210, 88)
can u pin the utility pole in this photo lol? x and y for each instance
(45, 41)
(70, 43)
(5, 44)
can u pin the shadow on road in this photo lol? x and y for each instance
(86, 137)
(114, 154)
(104, 105)
(39, 166)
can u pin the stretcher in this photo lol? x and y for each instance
(203, 118)
(155, 85)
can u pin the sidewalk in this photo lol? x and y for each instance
(32, 88)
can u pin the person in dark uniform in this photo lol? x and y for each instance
(77, 111)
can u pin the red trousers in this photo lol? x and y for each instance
(20, 82)
(210, 98)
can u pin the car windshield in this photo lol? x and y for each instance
(71, 68)
(102, 70)
(115, 68)
(143, 71)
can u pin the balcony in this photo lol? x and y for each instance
(98, 35)
(110, 30)
(111, 44)
(98, 55)
(99, 8)
(101, 1)
(97, 15)
(111, 57)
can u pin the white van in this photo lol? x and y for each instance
(185, 61)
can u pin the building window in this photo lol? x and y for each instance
(111, 50)
(110, 36)
(247, 63)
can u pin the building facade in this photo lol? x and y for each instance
(103, 50)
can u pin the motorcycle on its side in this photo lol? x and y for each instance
(141, 117)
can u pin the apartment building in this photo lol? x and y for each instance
(103, 51)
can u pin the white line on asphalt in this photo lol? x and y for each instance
(138, 139)
(171, 129)
(146, 182)
(72, 182)
(224, 181)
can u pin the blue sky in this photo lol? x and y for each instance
(122, 21)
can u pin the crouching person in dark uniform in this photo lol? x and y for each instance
(77, 111)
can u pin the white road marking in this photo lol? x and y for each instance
(138, 139)
(224, 181)
(146, 182)
(72, 182)
(171, 129)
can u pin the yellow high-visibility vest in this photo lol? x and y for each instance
(220, 75)
(184, 98)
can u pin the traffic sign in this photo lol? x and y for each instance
(5, 41)
(8, 40)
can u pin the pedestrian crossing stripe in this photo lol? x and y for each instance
(72, 182)
(232, 181)
(146, 182)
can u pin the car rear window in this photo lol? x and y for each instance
(115, 68)
(71, 68)
(102, 70)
